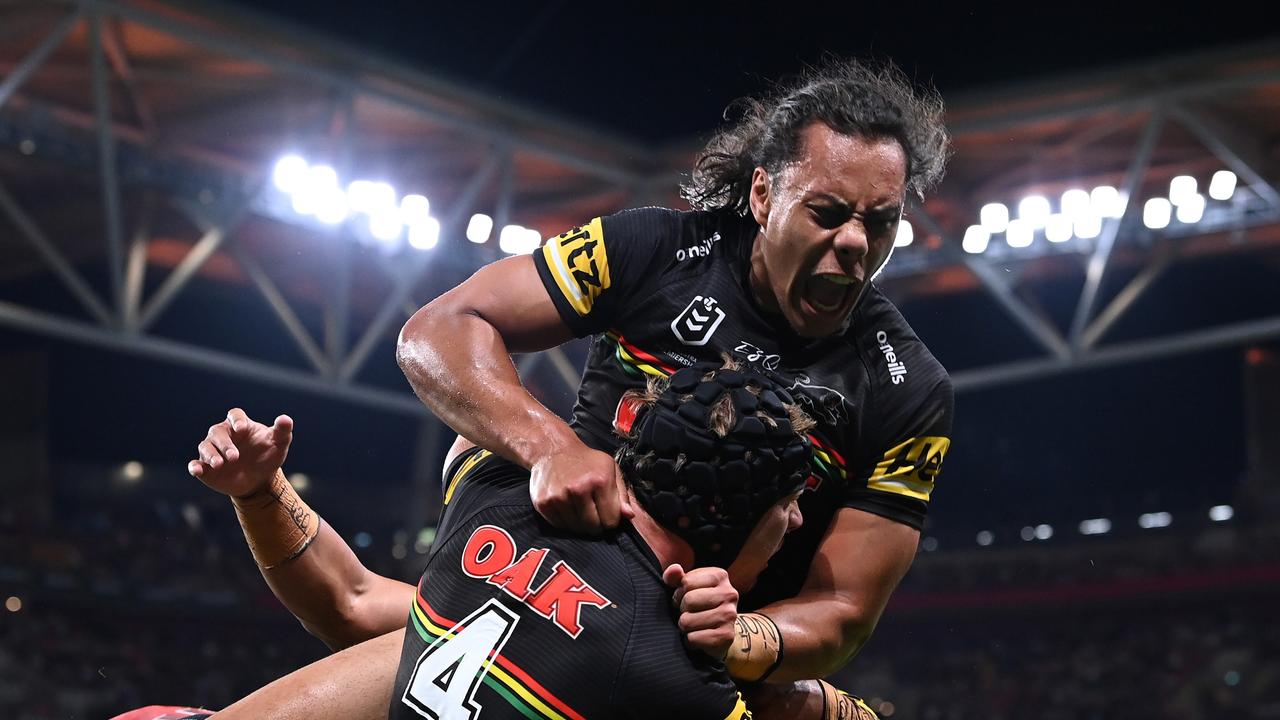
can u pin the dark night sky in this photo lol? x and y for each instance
(1068, 448)
(664, 71)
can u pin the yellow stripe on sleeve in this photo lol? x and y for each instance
(911, 467)
(580, 265)
(465, 468)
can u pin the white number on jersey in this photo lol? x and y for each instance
(444, 682)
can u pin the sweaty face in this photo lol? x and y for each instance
(764, 541)
(827, 224)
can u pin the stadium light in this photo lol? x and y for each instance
(905, 234)
(1096, 526)
(1088, 226)
(1191, 209)
(313, 188)
(1058, 228)
(1148, 521)
(518, 240)
(975, 239)
(288, 173)
(1222, 185)
(1075, 203)
(333, 209)
(13, 604)
(994, 218)
(300, 481)
(1028, 533)
(1107, 202)
(1044, 532)
(985, 538)
(386, 224)
(1156, 212)
(363, 539)
(929, 544)
(1020, 233)
(479, 228)
(132, 471)
(1181, 189)
(424, 235)
(415, 209)
(1034, 211)
(1221, 513)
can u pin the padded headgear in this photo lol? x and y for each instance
(712, 490)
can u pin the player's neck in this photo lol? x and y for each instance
(668, 547)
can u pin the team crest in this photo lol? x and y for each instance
(698, 321)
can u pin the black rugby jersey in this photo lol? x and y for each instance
(664, 289)
(515, 619)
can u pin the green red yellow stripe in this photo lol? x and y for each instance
(634, 360)
(513, 684)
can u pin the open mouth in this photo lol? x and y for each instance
(828, 292)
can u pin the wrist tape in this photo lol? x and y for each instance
(756, 650)
(840, 705)
(277, 524)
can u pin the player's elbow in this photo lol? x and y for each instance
(856, 622)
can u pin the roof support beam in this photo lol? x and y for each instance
(283, 311)
(214, 235)
(63, 269)
(107, 163)
(204, 358)
(36, 58)
(1111, 229)
(1036, 325)
(1231, 149)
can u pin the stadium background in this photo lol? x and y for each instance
(1102, 542)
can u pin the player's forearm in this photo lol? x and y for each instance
(312, 570)
(459, 365)
(335, 596)
(820, 634)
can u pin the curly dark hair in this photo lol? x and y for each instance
(850, 97)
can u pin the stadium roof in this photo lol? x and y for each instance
(137, 142)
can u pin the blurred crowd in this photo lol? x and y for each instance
(125, 604)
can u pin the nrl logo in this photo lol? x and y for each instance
(698, 321)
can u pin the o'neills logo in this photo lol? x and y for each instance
(897, 370)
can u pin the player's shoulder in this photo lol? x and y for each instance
(680, 233)
(893, 353)
(661, 676)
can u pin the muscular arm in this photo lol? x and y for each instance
(335, 597)
(857, 566)
(455, 353)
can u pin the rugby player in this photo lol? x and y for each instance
(797, 204)
(714, 464)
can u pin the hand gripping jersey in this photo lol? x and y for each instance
(514, 619)
(663, 289)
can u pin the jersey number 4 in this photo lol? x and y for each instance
(444, 681)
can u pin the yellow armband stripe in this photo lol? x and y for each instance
(910, 468)
(579, 264)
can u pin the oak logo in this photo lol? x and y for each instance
(490, 555)
(579, 264)
(698, 321)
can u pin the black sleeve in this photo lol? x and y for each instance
(594, 271)
(911, 405)
(916, 438)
